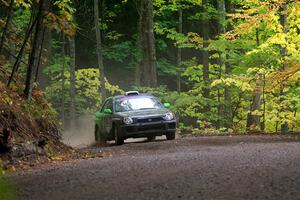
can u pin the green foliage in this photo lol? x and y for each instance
(88, 98)
(6, 190)
(252, 46)
(119, 52)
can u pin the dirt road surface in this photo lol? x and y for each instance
(239, 167)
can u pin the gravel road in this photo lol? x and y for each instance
(219, 167)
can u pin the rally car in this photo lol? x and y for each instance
(134, 115)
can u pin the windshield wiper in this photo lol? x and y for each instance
(145, 108)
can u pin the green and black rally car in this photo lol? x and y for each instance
(134, 115)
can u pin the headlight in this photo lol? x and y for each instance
(127, 120)
(168, 116)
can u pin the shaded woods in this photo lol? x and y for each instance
(224, 65)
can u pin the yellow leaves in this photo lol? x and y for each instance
(256, 70)
(257, 113)
(254, 13)
(192, 40)
(237, 82)
(113, 89)
(23, 3)
(279, 38)
(5, 3)
(249, 24)
(291, 74)
(66, 8)
(6, 98)
(60, 23)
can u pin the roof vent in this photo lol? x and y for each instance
(131, 93)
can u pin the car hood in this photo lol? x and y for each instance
(145, 113)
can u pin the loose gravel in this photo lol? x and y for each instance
(224, 167)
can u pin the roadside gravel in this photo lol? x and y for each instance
(224, 167)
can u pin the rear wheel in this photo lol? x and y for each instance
(118, 139)
(96, 132)
(99, 137)
(170, 136)
(151, 138)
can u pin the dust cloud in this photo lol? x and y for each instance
(81, 133)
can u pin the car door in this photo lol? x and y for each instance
(107, 117)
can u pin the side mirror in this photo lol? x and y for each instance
(167, 105)
(107, 111)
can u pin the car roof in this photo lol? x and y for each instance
(132, 96)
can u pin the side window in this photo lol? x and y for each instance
(107, 104)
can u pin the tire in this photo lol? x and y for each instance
(170, 136)
(118, 139)
(96, 134)
(99, 138)
(151, 138)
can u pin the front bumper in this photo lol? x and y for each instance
(147, 129)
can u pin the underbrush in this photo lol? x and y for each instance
(28, 130)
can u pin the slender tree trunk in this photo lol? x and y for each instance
(20, 54)
(42, 79)
(283, 53)
(31, 25)
(63, 79)
(99, 50)
(253, 120)
(12, 53)
(220, 106)
(205, 57)
(137, 72)
(149, 75)
(72, 81)
(40, 56)
(179, 54)
(7, 24)
(33, 59)
(226, 108)
(222, 12)
(263, 123)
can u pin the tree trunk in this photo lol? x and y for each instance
(263, 123)
(205, 58)
(149, 75)
(229, 112)
(33, 59)
(283, 53)
(99, 50)
(72, 81)
(20, 54)
(253, 120)
(40, 56)
(63, 52)
(226, 108)
(137, 72)
(7, 24)
(43, 80)
(179, 54)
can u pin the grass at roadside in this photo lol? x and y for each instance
(7, 191)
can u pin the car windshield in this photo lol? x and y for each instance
(140, 103)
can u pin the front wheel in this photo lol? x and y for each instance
(170, 136)
(118, 139)
(151, 138)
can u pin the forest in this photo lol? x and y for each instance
(223, 65)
